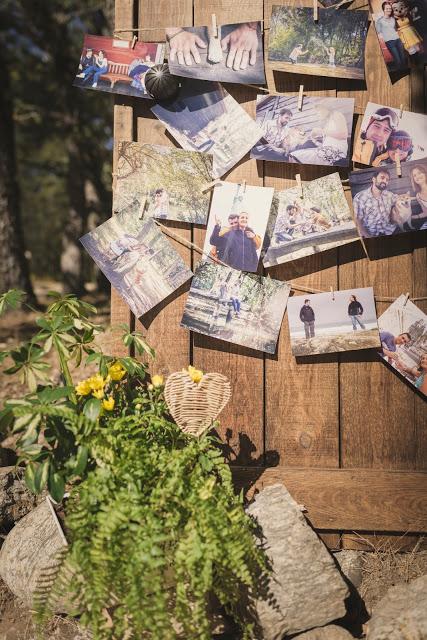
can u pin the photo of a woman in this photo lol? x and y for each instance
(355, 310)
(419, 186)
(387, 30)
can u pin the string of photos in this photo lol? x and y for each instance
(247, 224)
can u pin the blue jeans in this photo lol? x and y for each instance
(354, 320)
(397, 50)
(236, 304)
(97, 72)
(309, 329)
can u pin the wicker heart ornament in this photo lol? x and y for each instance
(194, 406)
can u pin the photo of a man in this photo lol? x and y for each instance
(373, 206)
(372, 141)
(308, 318)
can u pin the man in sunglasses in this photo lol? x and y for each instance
(373, 141)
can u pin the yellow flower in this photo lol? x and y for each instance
(83, 388)
(195, 374)
(116, 371)
(157, 381)
(96, 382)
(108, 404)
(98, 393)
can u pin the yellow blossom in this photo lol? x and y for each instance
(108, 404)
(195, 374)
(83, 388)
(116, 371)
(98, 393)
(96, 382)
(157, 381)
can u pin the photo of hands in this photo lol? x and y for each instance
(233, 54)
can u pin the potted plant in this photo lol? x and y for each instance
(154, 527)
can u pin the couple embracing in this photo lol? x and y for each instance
(236, 244)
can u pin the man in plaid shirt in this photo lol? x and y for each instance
(373, 206)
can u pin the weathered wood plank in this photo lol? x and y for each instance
(352, 500)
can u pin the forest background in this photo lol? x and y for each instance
(55, 143)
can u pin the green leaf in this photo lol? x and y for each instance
(51, 395)
(81, 460)
(31, 450)
(31, 434)
(41, 476)
(11, 299)
(30, 477)
(21, 423)
(92, 408)
(56, 486)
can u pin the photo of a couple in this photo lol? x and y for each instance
(237, 223)
(319, 133)
(385, 204)
(332, 322)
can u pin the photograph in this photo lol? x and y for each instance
(110, 64)
(401, 28)
(236, 307)
(233, 54)
(386, 204)
(137, 259)
(386, 132)
(162, 182)
(206, 118)
(237, 222)
(333, 46)
(333, 321)
(319, 133)
(403, 335)
(318, 221)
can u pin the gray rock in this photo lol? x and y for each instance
(331, 632)
(15, 499)
(307, 587)
(402, 613)
(351, 564)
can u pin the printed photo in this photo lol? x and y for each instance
(403, 335)
(318, 134)
(318, 221)
(162, 182)
(233, 54)
(401, 28)
(236, 307)
(206, 118)
(237, 222)
(333, 321)
(137, 259)
(110, 64)
(385, 133)
(332, 46)
(385, 204)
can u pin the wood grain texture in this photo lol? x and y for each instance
(341, 499)
(242, 422)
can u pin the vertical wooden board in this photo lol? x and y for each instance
(242, 422)
(123, 130)
(161, 325)
(301, 397)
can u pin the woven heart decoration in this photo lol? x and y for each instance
(195, 405)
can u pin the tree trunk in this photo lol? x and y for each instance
(14, 270)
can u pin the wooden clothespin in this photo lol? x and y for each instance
(315, 11)
(332, 293)
(210, 185)
(214, 26)
(300, 97)
(299, 184)
(244, 185)
(398, 166)
(406, 299)
(134, 41)
(401, 111)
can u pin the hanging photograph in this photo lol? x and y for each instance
(137, 259)
(318, 221)
(401, 28)
(233, 54)
(110, 64)
(319, 133)
(385, 204)
(334, 45)
(237, 222)
(403, 335)
(386, 132)
(236, 307)
(333, 321)
(206, 118)
(162, 182)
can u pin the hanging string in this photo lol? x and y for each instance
(293, 285)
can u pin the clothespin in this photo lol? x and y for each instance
(406, 299)
(214, 26)
(332, 293)
(210, 185)
(315, 11)
(398, 166)
(401, 111)
(114, 176)
(244, 185)
(299, 184)
(134, 41)
(300, 97)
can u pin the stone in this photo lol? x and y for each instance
(307, 587)
(331, 632)
(402, 613)
(351, 564)
(15, 499)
